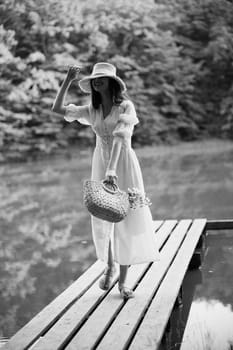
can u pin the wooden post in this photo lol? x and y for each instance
(219, 224)
(179, 299)
(201, 242)
(197, 257)
(196, 261)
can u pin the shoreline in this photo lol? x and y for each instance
(72, 152)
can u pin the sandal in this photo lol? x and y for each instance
(125, 292)
(106, 281)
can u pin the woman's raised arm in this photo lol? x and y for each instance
(58, 105)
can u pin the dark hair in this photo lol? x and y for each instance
(115, 91)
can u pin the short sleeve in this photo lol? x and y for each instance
(81, 114)
(127, 120)
(123, 130)
(128, 113)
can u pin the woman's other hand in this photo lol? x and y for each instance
(112, 180)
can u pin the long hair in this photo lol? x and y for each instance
(115, 91)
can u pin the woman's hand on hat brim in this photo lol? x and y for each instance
(73, 72)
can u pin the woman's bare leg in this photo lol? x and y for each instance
(126, 293)
(106, 280)
(123, 274)
(110, 256)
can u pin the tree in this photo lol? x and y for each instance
(176, 58)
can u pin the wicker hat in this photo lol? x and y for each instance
(101, 69)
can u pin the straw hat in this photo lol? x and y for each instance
(101, 69)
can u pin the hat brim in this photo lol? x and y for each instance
(85, 83)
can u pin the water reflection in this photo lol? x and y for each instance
(210, 326)
(45, 235)
(211, 315)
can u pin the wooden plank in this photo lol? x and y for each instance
(102, 317)
(157, 224)
(82, 310)
(219, 224)
(72, 320)
(123, 327)
(151, 330)
(105, 313)
(59, 334)
(33, 330)
(49, 315)
(165, 231)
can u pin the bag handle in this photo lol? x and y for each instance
(107, 189)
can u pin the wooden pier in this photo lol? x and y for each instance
(86, 317)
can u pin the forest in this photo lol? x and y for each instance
(176, 58)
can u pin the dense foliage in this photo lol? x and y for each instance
(176, 58)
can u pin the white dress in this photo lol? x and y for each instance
(133, 239)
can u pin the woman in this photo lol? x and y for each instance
(112, 117)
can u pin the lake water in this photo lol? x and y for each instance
(46, 236)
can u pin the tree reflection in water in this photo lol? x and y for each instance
(45, 236)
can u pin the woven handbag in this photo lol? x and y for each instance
(105, 203)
